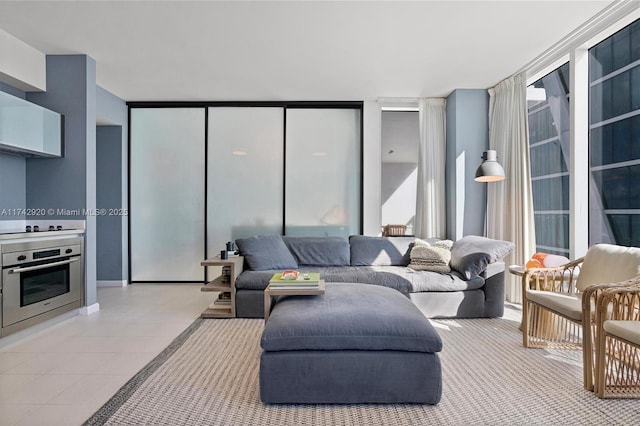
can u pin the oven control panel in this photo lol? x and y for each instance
(21, 257)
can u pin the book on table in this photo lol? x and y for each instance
(297, 279)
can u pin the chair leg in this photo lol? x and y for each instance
(524, 325)
(588, 366)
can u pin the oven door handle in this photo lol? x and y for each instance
(46, 265)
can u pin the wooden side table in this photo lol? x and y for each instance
(223, 283)
(270, 291)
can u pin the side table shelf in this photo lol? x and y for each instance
(224, 284)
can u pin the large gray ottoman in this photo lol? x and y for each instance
(357, 343)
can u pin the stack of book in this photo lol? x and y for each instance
(225, 276)
(224, 298)
(295, 279)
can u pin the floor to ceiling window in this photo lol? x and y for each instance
(614, 139)
(584, 137)
(548, 106)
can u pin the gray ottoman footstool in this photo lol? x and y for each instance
(357, 343)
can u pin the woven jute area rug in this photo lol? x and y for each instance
(209, 376)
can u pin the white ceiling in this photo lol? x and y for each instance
(296, 50)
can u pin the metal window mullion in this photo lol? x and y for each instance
(545, 141)
(615, 73)
(551, 176)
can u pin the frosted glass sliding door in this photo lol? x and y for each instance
(245, 174)
(322, 172)
(167, 174)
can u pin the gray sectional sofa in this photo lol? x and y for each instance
(473, 289)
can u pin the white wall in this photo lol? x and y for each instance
(372, 166)
(21, 65)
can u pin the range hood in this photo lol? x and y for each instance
(28, 129)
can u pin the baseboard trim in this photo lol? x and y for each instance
(112, 283)
(88, 310)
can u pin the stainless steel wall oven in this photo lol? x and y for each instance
(40, 279)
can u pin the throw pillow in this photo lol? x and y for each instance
(470, 255)
(266, 252)
(430, 258)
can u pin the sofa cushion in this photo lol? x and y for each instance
(348, 317)
(266, 252)
(380, 251)
(470, 255)
(319, 251)
(400, 278)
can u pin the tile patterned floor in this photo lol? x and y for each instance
(62, 374)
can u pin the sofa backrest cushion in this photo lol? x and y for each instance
(266, 252)
(380, 251)
(470, 255)
(608, 263)
(319, 251)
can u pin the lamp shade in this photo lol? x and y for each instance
(490, 170)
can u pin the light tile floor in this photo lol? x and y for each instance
(62, 374)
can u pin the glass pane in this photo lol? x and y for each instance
(550, 194)
(36, 286)
(167, 194)
(549, 153)
(27, 127)
(322, 172)
(618, 187)
(614, 193)
(552, 233)
(245, 172)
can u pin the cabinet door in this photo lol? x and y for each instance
(322, 172)
(167, 194)
(244, 174)
(29, 129)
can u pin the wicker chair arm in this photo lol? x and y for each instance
(552, 279)
(619, 302)
(592, 293)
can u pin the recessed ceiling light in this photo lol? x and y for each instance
(319, 154)
(239, 152)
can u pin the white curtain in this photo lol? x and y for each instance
(510, 202)
(430, 201)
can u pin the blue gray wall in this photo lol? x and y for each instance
(12, 187)
(109, 197)
(69, 182)
(467, 138)
(12, 174)
(111, 189)
(73, 182)
(61, 183)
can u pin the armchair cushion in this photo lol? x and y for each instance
(627, 330)
(607, 263)
(567, 304)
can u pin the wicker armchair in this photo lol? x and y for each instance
(618, 349)
(558, 307)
